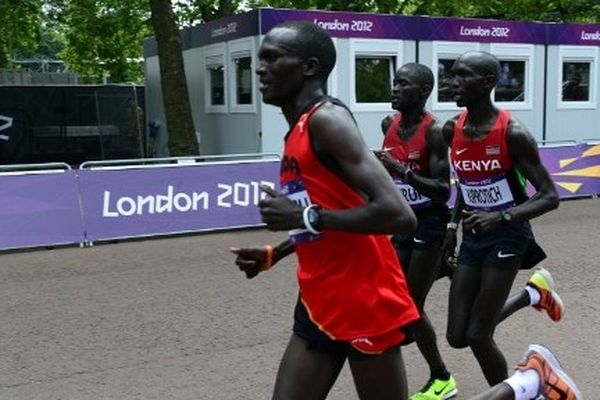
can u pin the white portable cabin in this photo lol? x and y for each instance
(220, 60)
(573, 82)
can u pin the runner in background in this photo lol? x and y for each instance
(415, 154)
(493, 156)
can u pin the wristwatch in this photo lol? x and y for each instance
(312, 218)
(408, 175)
(506, 217)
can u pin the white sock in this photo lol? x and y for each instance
(534, 295)
(525, 384)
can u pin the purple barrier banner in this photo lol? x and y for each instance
(574, 34)
(39, 209)
(575, 170)
(120, 203)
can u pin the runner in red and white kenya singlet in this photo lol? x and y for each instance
(484, 166)
(351, 283)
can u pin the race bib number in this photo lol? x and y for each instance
(414, 198)
(296, 192)
(487, 196)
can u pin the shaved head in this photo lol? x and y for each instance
(309, 41)
(482, 62)
(421, 74)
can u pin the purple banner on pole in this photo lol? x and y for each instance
(575, 170)
(161, 200)
(574, 34)
(39, 209)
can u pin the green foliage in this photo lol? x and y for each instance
(585, 11)
(191, 12)
(19, 21)
(104, 38)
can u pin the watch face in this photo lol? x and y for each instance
(313, 216)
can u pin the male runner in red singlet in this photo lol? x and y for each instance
(493, 156)
(339, 205)
(416, 155)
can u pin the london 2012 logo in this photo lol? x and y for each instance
(5, 123)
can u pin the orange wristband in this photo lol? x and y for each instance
(269, 261)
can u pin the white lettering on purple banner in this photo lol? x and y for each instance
(352, 26)
(590, 35)
(239, 194)
(495, 31)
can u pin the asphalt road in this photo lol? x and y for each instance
(173, 318)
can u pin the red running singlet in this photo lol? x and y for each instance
(483, 165)
(351, 284)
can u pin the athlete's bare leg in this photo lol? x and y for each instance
(306, 374)
(422, 270)
(501, 391)
(380, 377)
(477, 297)
(514, 304)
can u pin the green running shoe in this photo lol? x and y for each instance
(437, 389)
(550, 301)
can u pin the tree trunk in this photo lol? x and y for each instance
(178, 113)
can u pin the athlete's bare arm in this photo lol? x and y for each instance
(524, 152)
(336, 137)
(449, 243)
(448, 130)
(253, 260)
(437, 187)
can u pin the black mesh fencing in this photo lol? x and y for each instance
(71, 123)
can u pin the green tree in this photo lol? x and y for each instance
(19, 21)
(104, 37)
(585, 11)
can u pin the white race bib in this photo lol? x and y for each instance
(414, 198)
(487, 196)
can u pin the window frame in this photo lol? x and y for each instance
(578, 54)
(212, 53)
(518, 53)
(241, 49)
(385, 48)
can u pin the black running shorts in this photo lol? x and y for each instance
(431, 227)
(501, 248)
